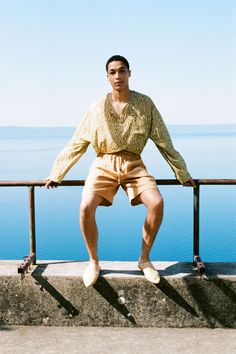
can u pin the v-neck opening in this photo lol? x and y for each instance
(124, 108)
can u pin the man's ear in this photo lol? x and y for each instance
(129, 73)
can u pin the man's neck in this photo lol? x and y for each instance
(120, 96)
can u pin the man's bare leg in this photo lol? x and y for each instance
(152, 199)
(154, 203)
(89, 230)
(88, 225)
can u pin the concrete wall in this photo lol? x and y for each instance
(53, 294)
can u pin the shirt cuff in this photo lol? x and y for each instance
(183, 176)
(55, 178)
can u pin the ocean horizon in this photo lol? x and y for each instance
(178, 129)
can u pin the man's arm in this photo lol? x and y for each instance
(66, 159)
(161, 137)
(72, 152)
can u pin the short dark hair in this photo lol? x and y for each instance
(117, 58)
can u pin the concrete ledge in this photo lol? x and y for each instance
(54, 294)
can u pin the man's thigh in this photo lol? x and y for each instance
(137, 180)
(101, 182)
(151, 198)
(90, 201)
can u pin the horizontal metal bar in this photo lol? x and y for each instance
(41, 183)
(38, 183)
(215, 181)
(198, 181)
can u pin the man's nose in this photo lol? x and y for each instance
(117, 75)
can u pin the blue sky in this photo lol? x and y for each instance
(53, 54)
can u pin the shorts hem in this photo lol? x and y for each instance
(133, 202)
(105, 202)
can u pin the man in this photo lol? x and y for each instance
(118, 126)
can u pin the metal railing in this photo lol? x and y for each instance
(31, 258)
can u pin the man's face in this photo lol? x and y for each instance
(118, 75)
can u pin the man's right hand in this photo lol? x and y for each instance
(51, 184)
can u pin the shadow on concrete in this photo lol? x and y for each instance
(179, 268)
(6, 328)
(226, 286)
(44, 263)
(217, 311)
(169, 291)
(44, 284)
(217, 268)
(164, 285)
(110, 295)
(114, 271)
(213, 316)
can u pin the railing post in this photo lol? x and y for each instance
(31, 259)
(196, 203)
(32, 223)
(196, 254)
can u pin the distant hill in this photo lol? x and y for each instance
(8, 132)
(35, 132)
(202, 130)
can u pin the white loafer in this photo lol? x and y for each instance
(151, 274)
(91, 274)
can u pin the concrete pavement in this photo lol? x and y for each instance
(111, 340)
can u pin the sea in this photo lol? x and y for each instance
(28, 154)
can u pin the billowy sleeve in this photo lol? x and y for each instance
(161, 137)
(73, 151)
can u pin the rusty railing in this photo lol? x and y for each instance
(31, 258)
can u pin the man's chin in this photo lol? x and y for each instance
(119, 87)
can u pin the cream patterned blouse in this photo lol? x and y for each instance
(109, 133)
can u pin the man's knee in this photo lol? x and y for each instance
(85, 209)
(158, 204)
(89, 204)
(153, 200)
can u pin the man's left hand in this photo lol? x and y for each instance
(189, 183)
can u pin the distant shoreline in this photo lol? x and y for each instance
(73, 127)
(180, 130)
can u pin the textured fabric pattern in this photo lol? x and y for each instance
(110, 133)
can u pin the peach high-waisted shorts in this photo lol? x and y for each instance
(109, 171)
